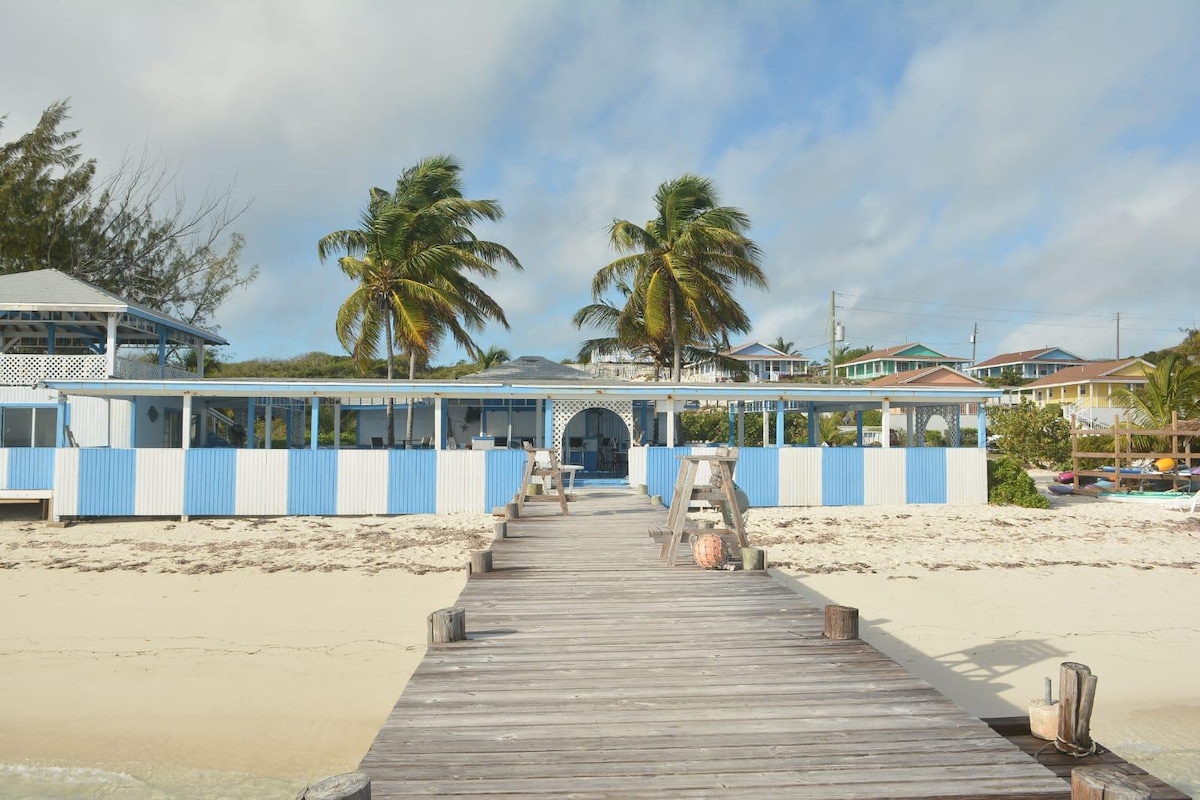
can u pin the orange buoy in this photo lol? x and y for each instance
(709, 551)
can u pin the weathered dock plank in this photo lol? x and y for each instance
(593, 670)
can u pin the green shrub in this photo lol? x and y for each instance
(1010, 485)
(969, 438)
(1037, 437)
(935, 439)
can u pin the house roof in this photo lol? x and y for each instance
(1021, 356)
(940, 375)
(772, 352)
(48, 290)
(898, 352)
(534, 369)
(1093, 370)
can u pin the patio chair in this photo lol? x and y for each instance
(1187, 505)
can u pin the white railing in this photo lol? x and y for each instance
(1084, 417)
(28, 369)
(134, 370)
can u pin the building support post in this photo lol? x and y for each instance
(670, 423)
(779, 435)
(812, 426)
(110, 346)
(766, 428)
(886, 423)
(315, 422)
(439, 424)
(910, 437)
(548, 426)
(337, 424)
(981, 433)
(187, 422)
(731, 428)
(60, 435)
(741, 423)
(200, 357)
(249, 423)
(268, 426)
(858, 428)
(162, 351)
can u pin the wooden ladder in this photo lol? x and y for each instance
(719, 492)
(532, 468)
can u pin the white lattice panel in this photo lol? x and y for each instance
(28, 369)
(134, 370)
(565, 410)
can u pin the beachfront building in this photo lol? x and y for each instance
(156, 442)
(1086, 391)
(760, 362)
(1026, 364)
(919, 419)
(901, 358)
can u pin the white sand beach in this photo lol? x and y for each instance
(240, 658)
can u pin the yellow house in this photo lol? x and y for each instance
(1087, 390)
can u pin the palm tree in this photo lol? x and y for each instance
(683, 265)
(1172, 387)
(411, 256)
(783, 347)
(492, 357)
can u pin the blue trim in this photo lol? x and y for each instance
(779, 435)
(757, 473)
(412, 482)
(107, 480)
(314, 423)
(732, 424)
(30, 468)
(925, 481)
(210, 482)
(981, 432)
(548, 434)
(312, 482)
(812, 425)
(858, 428)
(505, 468)
(843, 476)
(64, 419)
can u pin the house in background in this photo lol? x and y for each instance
(940, 418)
(1027, 364)
(901, 358)
(763, 363)
(1086, 391)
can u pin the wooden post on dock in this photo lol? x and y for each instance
(500, 530)
(841, 622)
(1077, 692)
(481, 561)
(656, 500)
(447, 625)
(1105, 783)
(349, 786)
(641, 489)
(754, 558)
(512, 510)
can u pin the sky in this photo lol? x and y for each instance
(1032, 169)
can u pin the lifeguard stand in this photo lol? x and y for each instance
(719, 492)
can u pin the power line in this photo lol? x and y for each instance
(1058, 313)
(1004, 321)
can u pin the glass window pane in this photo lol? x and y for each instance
(45, 425)
(17, 430)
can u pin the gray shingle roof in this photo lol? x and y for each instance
(51, 290)
(534, 369)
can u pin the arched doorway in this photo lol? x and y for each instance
(952, 435)
(596, 437)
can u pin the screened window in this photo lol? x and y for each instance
(27, 427)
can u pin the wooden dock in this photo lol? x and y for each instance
(592, 670)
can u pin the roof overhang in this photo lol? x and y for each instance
(823, 396)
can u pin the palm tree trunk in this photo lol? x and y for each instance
(676, 344)
(412, 369)
(390, 415)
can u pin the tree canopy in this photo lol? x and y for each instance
(132, 233)
(681, 268)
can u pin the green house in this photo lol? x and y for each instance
(901, 358)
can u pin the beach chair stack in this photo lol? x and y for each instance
(535, 468)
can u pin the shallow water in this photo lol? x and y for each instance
(138, 782)
(1163, 741)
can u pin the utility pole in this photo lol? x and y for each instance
(832, 337)
(1118, 335)
(974, 336)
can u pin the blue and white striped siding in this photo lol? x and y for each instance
(27, 468)
(834, 476)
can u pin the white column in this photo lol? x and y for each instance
(886, 423)
(439, 422)
(765, 426)
(671, 424)
(910, 428)
(267, 425)
(187, 422)
(110, 347)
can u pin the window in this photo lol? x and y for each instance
(28, 426)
